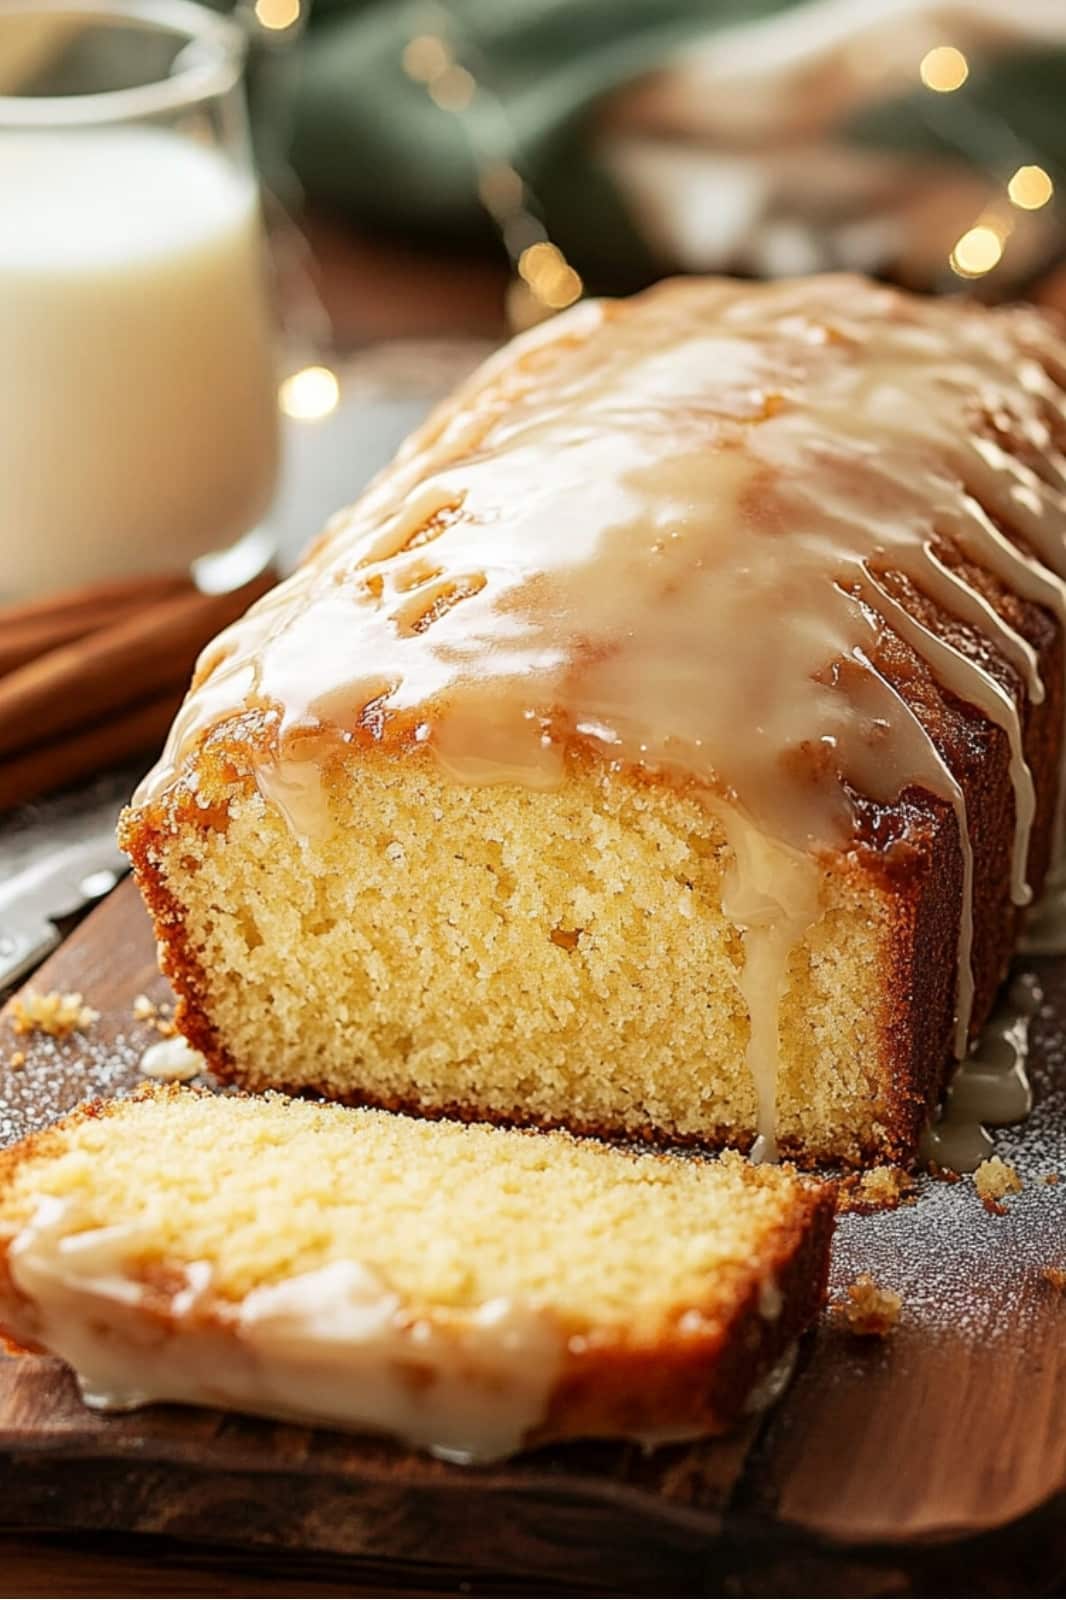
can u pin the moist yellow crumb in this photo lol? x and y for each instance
(994, 1180)
(371, 997)
(867, 1309)
(448, 1214)
(17, 1060)
(144, 1009)
(880, 1189)
(53, 1013)
(1056, 1276)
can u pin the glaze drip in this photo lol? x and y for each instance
(990, 1088)
(663, 532)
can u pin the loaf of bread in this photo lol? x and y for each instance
(468, 1289)
(666, 744)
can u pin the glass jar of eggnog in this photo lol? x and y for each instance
(138, 410)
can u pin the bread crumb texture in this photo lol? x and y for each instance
(994, 1180)
(574, 967)
(449, 1215)
(866, 1309)
(159, 1016)
(53, 1013)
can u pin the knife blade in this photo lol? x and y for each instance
(35, 899)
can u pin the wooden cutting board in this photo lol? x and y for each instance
(931, 1462)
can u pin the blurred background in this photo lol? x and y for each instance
(442, 172)
(448, 172)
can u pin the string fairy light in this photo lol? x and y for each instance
(1030, 188)
(944, 69)
(312, 390)
(550, 276)
(277, 15)
(544, 280)
(426, 57)
(981, 136)
(310, 394)
(453, 90)
(978, 250)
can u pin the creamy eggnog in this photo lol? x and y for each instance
(138, 419)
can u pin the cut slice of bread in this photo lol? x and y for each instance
(469, 1289)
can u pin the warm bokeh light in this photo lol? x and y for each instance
(500, 188)
(310, 394)
(1030, 188)
(944, 69)
(277, 14)
(563, 290)
(977, 252)
(426, 57)
(548, 273)
(453, 90)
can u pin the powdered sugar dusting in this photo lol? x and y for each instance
(59, 1074)
(56, 1074)
(958, 1268)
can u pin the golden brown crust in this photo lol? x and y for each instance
(705, 1380)
(916, 844)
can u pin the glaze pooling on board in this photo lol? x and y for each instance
(661, 530)
(991, 1087)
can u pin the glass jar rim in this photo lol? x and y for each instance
(200, 80)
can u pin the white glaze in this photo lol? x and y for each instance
(1045, 926)
(991, 1088)
(172, 1060)
(334, 1347)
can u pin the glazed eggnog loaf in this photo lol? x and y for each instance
(665, 745)
(468, 1289)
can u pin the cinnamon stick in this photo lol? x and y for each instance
(89, 598)
(95, 677)
(23, 641)
(139, 729)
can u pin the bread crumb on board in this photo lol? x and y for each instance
(17, 1060)
(880, 1189)
(159, 1016)
(1056, 1276)
(867, 1310)
(994, 1180)
(52, 1013)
